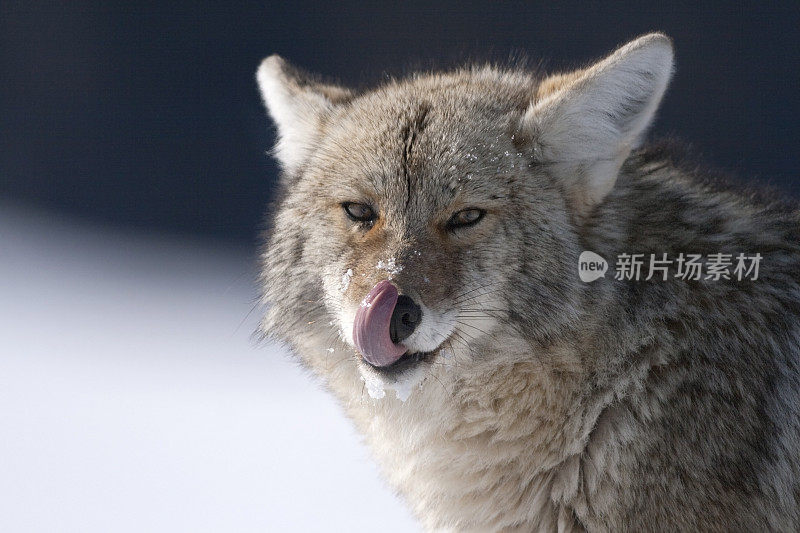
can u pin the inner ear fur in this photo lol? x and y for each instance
(297, 103)
(582, 125)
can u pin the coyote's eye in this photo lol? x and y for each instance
(359, 212)
(465, 217)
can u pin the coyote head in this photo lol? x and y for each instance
(432, 216)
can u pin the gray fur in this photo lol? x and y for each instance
(561, 405)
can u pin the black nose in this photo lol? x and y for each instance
(405, 318)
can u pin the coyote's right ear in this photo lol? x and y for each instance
(585, 124)
(298, 105)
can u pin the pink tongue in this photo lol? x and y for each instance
(371, 327)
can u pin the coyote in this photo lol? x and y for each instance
(423, 261)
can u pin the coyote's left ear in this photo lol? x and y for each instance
(583, 125)
(298, 105)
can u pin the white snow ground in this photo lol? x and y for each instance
(132, 399)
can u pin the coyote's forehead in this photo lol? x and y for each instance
(410, 145)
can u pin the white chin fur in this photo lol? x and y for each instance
(429, 335)
(402, 384)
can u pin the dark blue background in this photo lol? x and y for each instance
(148, 115)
